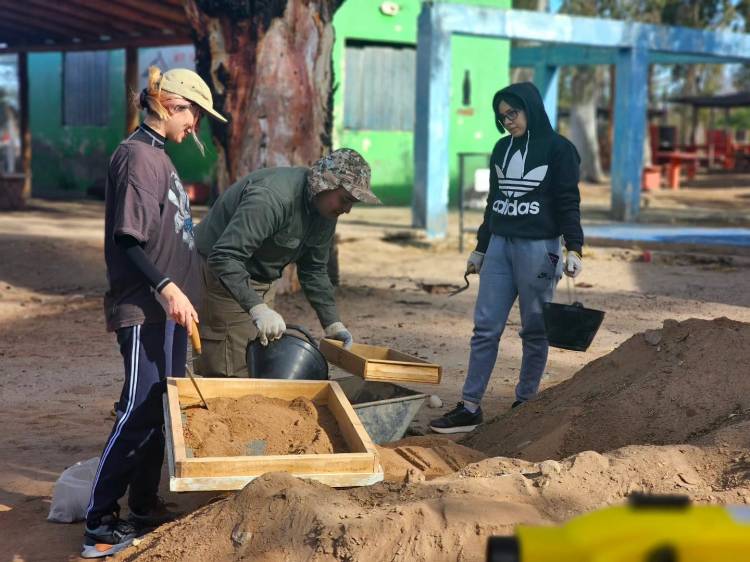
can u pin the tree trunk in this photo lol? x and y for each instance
(269, 66)
(583, 126)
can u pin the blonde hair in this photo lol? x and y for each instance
(151, 97)
(151, 100)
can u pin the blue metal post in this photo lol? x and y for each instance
(630, 131)
(431, 165)
(546, 79)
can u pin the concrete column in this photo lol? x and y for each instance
(546, 79)
(431, 165)
(630, 131)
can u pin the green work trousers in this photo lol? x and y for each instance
(225, 328)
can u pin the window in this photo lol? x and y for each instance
(86, 88)
(379, 86)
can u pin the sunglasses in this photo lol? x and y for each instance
(192, 107)
(510, 116)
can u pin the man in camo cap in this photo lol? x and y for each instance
(266, 220)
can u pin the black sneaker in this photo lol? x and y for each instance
(110, 536)
(458, 420)
(516, 404)
(154, 517)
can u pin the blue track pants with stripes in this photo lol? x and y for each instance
(134, 452)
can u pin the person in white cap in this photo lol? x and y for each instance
(154, 283)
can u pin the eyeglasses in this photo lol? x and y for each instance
(510, 116)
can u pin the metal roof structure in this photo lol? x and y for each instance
(725, 101)
(62, 25)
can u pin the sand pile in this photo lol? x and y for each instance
(258, 425)
(686, 383)
(280, 518)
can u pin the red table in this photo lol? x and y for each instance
(675, 161)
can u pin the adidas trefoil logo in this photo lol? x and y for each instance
(515, 184)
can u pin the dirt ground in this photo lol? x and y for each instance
(60, 372)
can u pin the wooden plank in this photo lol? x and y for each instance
(394, 371)
(229, 483)
(37, 27)
(110, 10)
(150, 9)
(255, 466)
(361, 466)
(317, 391)
(380, 363)
(38, 44)
(169, 433)
(71, 26)
(93, 18)
(177, 435)
(334, 353)
(394, 355)
(351, 427)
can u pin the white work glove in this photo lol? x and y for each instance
(270, 324)
(573, 264)
(474, 263)
(337, 331)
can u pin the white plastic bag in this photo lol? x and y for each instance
(72, 492)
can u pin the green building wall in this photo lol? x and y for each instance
(472, 129)
(69, 160)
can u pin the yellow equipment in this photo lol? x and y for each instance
(648, 529)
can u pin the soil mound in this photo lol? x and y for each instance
(280, 518)
(415, 459)
(685, 383)
(258, 425)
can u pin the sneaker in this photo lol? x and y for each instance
(110, 536)
(458, 420)
(516, 404)
(154, 517)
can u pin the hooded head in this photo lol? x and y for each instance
(528, 97)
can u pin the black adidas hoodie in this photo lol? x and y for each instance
(533, 179)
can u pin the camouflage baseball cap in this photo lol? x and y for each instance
(345, 168)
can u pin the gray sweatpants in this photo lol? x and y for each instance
(513, 267)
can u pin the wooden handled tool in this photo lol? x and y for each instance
(195, 339)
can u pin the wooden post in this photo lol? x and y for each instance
(694, 127)
(23, 102)
(131, 87)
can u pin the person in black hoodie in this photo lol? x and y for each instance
(533, 201)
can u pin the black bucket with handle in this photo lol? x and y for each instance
(290, 357)
(571, 326)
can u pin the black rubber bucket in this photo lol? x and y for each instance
(290, 357)
(571, 326)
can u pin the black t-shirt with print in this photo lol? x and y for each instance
(145, 199)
